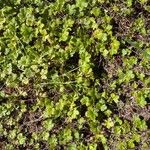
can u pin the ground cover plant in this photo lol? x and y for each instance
(74, 74)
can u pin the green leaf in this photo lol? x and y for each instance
(91, 113)
(131, 144)
(48, 124)
(85, 100)
(81, 4)
(109, 123)
(21, 138)
(114, 47)
(115, 97)
(64, 36)
(99, 34)
(96, 11)
(45, 135)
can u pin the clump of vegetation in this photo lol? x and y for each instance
(74, 74)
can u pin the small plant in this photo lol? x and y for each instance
(74, 74)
